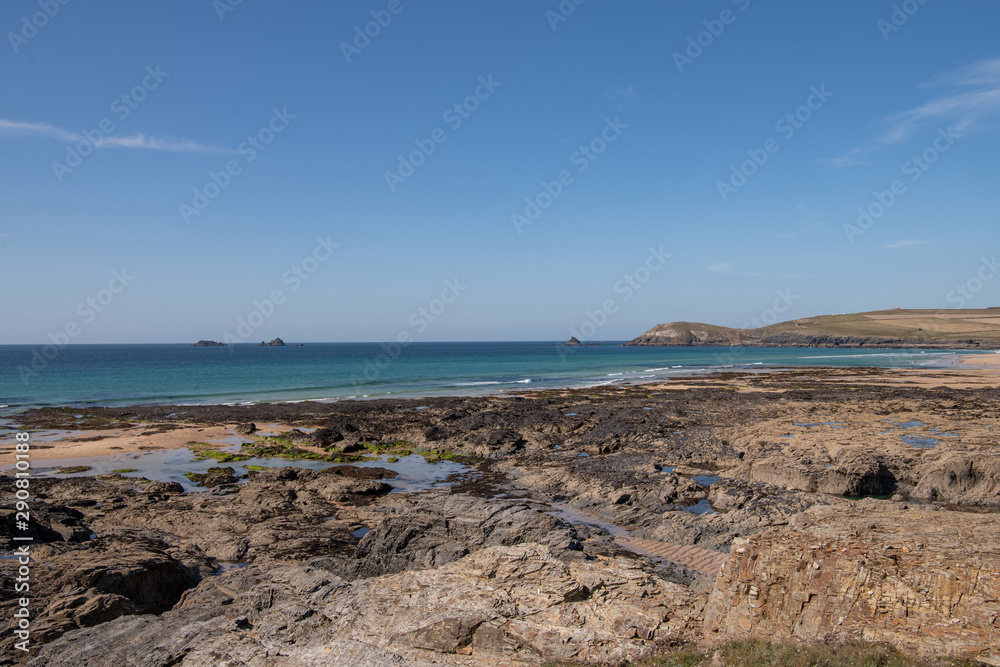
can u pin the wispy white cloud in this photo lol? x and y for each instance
(771, 275)
(13, 129)
(903, 244)
(851, 158)
(970, 97)
(621, 91)
(810, 221)
(721, 267)
(625, 96)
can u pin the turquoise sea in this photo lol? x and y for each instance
(82, 375)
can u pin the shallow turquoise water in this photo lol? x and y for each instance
(82, 375)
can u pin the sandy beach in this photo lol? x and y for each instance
(47, 446)
(972, 371)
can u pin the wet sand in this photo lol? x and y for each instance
(57, 445)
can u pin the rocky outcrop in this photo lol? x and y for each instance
(927, 582)
(509, 605)
(961, 479)
(504, 566)
(277, 342)
(695, 335)
(573, 341)
(855, 473)
(249, 428)
(438, 530)
(949, 329)
(120, 574)
(208, 343)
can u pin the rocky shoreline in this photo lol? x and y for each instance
(598, 525)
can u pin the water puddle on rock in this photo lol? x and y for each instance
(920, 443)
(699, 508)
(573, 515)
(906, 424)
(414, 473)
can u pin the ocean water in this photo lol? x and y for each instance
(83, 375)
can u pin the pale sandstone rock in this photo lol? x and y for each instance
(497, 606)
(927, 582)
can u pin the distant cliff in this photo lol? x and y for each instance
(948, 329)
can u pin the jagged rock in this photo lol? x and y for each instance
(208, 343)
(855, 473)
(249, 428)
(442, 528)
(277, 342)
(433, 433)
(325, 437)
(215, 477)
(498, 442)
(501, 604)
(961, 479)
(111, 576)
(47, 523)
(297, 435)
(572, 341)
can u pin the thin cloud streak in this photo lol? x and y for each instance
(903, 244)
(973, 97)
(721, 267)
(13, 129)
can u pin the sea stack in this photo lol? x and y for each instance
(277, 342)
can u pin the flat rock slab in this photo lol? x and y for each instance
(925, 581)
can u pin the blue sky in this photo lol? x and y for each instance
(644, 125)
